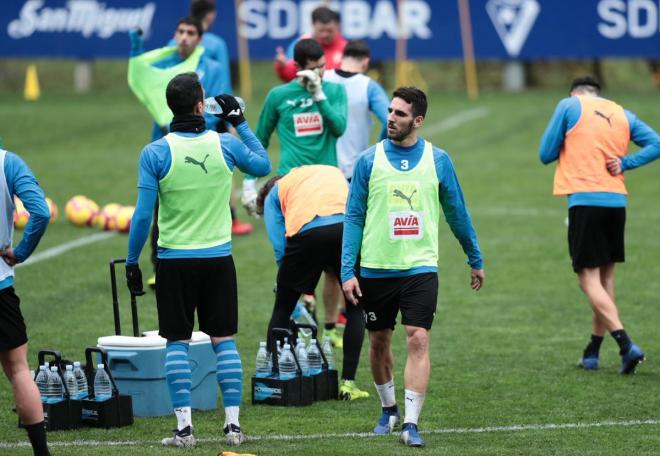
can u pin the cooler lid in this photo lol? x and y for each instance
(151, 339)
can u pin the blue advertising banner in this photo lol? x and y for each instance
(502, 29)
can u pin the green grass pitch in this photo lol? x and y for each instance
(502, 357)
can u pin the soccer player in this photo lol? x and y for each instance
(326, 30)
(304, 212)
(190, 172)
(587, 135)
(17, 179)
(365, 96)
(398, 188)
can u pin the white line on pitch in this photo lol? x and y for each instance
(63, 248)
(454, 121)
(255, 438)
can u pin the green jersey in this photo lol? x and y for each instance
(307, 130)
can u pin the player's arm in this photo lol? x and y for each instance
(456, 213)
(268, 119)
(646, 138)
(275, 226)
(137, 42)
(247, 153)
(378, 104)
(21, 182)
(284, 65)
(562, 120)
(335, 109)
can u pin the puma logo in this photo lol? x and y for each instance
(600, 114)
(400, 194)
(195, 162)
(410, 399)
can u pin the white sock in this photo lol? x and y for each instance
(414, 402)
(231, 415)
(183, 417)
(386, 394)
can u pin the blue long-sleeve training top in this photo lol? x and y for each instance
(246, 154)
(451, 200)
(566, 115)
(275, 223)
(22, 183)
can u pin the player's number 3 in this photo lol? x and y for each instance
(404, 164)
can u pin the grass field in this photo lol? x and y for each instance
(504, 379)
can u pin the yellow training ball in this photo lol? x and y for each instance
(123, 219)
(80, 210)
(106, 219)
(21, 215)
(52, 208)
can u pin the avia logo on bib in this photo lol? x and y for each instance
(406, 225)
(513, 20)
(308, 124)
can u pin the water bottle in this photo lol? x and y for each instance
(42, 382)
(102, 386)
(314, 358)
(81, 380)
(262, 369)
(71, 382)
(211, 106)
(302, 316)
(54, 390)
(327, 351)
(287, 363)
(301, 353)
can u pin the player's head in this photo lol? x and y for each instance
(188, 34)
(356, 56)
(205, 11)
(406, 113)
(309, 55)
(185, 95)
(585, 85)
(264, 191)
(325, 25)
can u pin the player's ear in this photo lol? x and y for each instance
(418, 122)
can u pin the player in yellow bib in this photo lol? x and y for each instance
(398, 189)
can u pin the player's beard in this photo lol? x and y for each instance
(401, 133)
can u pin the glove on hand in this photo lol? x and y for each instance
(231, 110)
(134, 279)
(313, 83)
(249, 196)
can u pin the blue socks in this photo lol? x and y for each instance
(178, 374)
(229, 371)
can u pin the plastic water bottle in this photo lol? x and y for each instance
(301, 353)
(81, 380)
(42, 383)
(302, 316)
(287, 363)
(327, 351)
(211, 106)
(262, 369)
(102, 386)
(314, 358)
(71, 382)
(54, 390)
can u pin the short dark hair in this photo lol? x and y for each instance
(200, 8)
(415, 97)
(183, 92)
(325, 15)
(191, 20)
(264, 191)
(357, 49)
(587, 82)
(306, 50)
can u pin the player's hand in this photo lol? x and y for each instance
(352, 290)
(280, 56)
(312, 82)
(134, 279)
(249, 196)
(9, 257)
(614, 166)
(477, 277)
(231, 110)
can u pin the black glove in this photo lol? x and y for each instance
(231, 110)
(134, 279)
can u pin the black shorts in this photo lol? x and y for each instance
(308, 254)
(595, 236)
(12, 326)
(416, 296)
(205, 284)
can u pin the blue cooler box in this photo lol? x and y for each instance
(138, 366)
